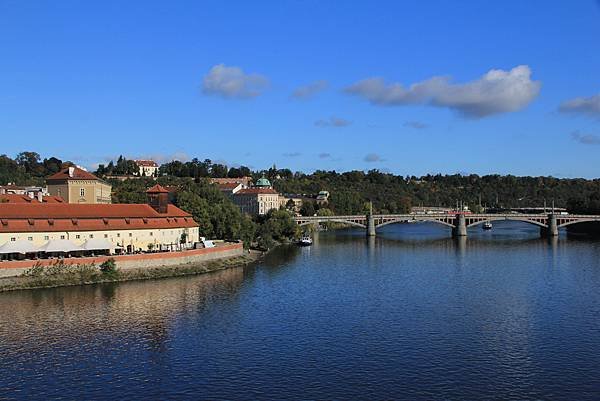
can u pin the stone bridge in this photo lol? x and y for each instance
(548, 223)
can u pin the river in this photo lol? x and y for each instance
(411, 314)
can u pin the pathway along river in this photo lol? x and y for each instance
(411, 314)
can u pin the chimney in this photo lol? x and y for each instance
(71, 171)
(40, 197)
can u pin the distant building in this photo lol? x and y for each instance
(147, 168)
(258, 200)
(245, 181)
(29, 191)
(14, 198)
(322, 197)
(230, 189)
(76, 185)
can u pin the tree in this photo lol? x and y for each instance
(307, 208)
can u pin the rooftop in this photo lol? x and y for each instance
(72, 173)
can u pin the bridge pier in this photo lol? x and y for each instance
(370, 225)
(552, 229)
(460, 226)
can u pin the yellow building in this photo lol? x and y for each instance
(75, 185)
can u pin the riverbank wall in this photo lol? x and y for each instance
(137, 261)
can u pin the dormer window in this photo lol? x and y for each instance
(51, 222)
(74, 221)
(30, 222)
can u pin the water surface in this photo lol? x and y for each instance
(411, 314)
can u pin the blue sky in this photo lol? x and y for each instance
(308, 85)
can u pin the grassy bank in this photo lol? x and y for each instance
(60, 275)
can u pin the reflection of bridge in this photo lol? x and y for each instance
(548, 223)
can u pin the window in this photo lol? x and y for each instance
(77, 236)
(29, 238)
(46, 238)
(82, 192)
(105, 235)
(118, 235)
(91, 235)
(151, 234)
(62, 237)
(131, 235)
(13, 239)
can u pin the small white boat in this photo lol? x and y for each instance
(487, 225)
(305, 241)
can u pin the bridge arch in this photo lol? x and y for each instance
(524, 220)
(352, 223)
(419, 220)
(568, 223)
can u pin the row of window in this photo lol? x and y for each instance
(78, 236)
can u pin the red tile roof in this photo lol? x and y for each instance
(78, 174)
(250, 191)
(32, 217)
(157, 189)
(146, 163)
(228, 185)
(15, 198)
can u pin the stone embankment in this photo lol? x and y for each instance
(29, 274)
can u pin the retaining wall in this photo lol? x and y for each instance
(160, 259)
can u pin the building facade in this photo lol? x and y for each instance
(76, 185)
(157, 225)
(258, 200)
(147, 168)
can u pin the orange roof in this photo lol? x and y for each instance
(146, 163)
(52, 199)
(228, 185)
(78, 174)
(250, 191)
(15, 198)
(77, 210)
(157, 189)
(30, 217)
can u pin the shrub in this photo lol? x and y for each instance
(108, 266)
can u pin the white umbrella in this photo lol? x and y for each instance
(98, 244)
(60, 245)
(20, 246)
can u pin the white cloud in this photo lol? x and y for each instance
(324, 155)
(333, 122)
(292, 154)
(308, 91)
(372, 157)
(415, 124)
(586, 139)
(497, 91)
(584, 105)
(233, 82)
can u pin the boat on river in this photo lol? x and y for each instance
(305, 241)
(487, 225)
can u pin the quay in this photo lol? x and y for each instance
(15, 268)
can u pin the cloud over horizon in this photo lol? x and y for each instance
(495, 92)
(333, 122)
(233, 82)
(310, 90)
(372, 158)
(585, 139)
(415, 125)
(582, 105)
